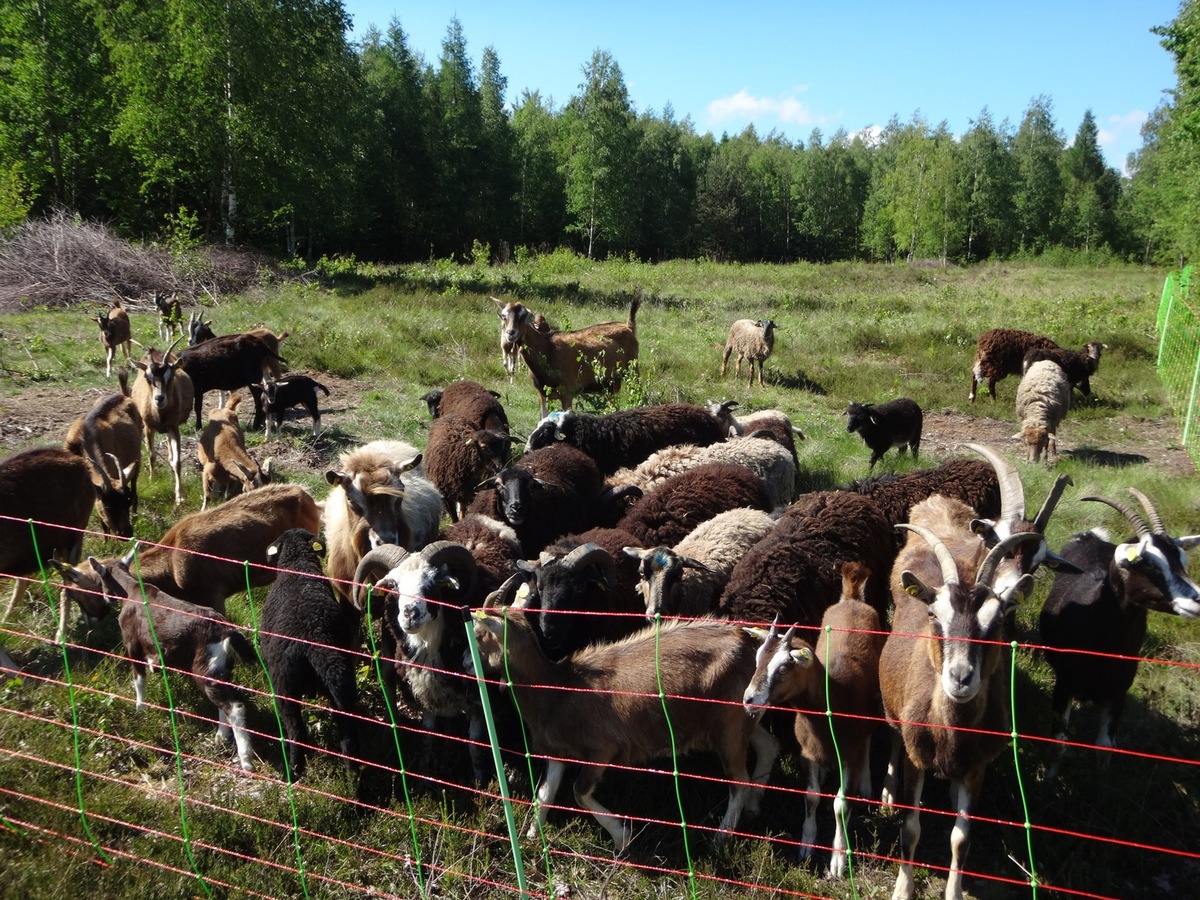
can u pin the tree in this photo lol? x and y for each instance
(989, 179)
(666, 182)
(1037, 149)
(831, 191)
(540, 185)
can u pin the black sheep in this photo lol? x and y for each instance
(1079, 365)
(896, 423)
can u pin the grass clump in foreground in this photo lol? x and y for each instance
(846, 332)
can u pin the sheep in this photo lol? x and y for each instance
(844, 678)
(601, 707)
(896, 423)
(114, 333)
(272, 398)
(160, 630)
(223, 456)
(626, 437)
(940, 675)
(1043, 398)
(163, 393)
(565, 363)
(231, 362)
(379, 496)
(773, 422)
(111, 432)
(1094, 620)
(1000, 353)
(307, 638)
(493, 544)
(201, 558)
(470, 399)
(46, 499)
(763, 456)
(687, 580)
(667, 514)
(753, 340)
(1079, 365)
(459, 456)
(170, 314)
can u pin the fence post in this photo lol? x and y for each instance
(1164, 315)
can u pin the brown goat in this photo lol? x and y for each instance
(114, 333)
(222, 453)
(565, 363)
(163, 394)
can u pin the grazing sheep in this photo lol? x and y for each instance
(565, 363)
(223, 455)
(602, 707)
(773, 422)
(308, 638)
(687, 580)
(896, 423)
(114, 333)
(752, 340)
(272, 398)
(1094, 619)
(1043, 398)
(1000, 353)
(1079, 365)
(459, 456)
(471, 400)
(626, 437)
(845, 680)
(163, 393)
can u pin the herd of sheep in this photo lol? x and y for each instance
(654, 555)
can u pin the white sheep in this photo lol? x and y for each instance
(1043, 398)
(753, 339)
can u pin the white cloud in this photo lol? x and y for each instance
(743, 105)
(1121, 136)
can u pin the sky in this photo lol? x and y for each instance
(790, 67)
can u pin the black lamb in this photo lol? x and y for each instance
(896, 423)
(1079, 365)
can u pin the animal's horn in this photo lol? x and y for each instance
(1156, 522)
(940, 550)
(1143, 530)
(1043, 517)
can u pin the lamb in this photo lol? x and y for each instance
(223, 455)
(687, 580)
(114, 333)
(565, 363)
(667, 514)
(942, 682)
(1079, 365)
(379, 496)
(160, 630)
(602, 706)
(1093, 622)
(1000, 353)
(231, 362)
(163, 393)
(628, 436)
(53, 489)
(170, 314)
(459, 456)
(753, 340)
(896, 423)
(471, 400)
(307, 640)
(272, 398)
(200, 558)
(1043, 398)
(844, 678)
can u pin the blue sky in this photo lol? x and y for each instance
(792, 67)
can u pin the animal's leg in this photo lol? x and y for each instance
(914, 781)
(1060, 704)
(963, 794)
(546, 792)
(585, 785)
(236, 717)
(812, 800)
(841, 817)
(888, 795)
(766, 751)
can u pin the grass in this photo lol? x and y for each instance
(846, 332)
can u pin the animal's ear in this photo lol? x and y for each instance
(688, 563)
(1188, 541)
(1127, 555)
(336, 478)
(1056, 563)
(633, 552)
(66, 570)
(803, 657)
(914, 587)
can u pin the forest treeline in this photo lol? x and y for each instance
(259, 123)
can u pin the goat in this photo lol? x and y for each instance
(752, 340)
(222, 453)
(231, 362)
(459, 456)
(509, 349)
(163, 394)
(199, 331)
(939, 673)
(111, 432)
(307, 638)
(1094, 619)
(160, 630)
(272, 398)
(46, 499)
(896, 423)
(1079, 365)
(170, 314)
(999, 353)
(114, 333)
(201, 557)
(565, 363)
(1043, 398)
(844, 679)
(471, 400)
(601, 706)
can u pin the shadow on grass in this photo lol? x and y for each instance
(1107, 458)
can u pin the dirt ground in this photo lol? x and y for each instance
(40, 414)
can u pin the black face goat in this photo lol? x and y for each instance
(896, 423)
(272, 398)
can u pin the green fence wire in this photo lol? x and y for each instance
(1179, 356)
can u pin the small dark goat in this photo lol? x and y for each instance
(230, 362)
(199, 331)
(999, 353)
(307, 639)
(896, 423)
(114, 333)
(470, 400)
(170, 314)
(272, 398)
(1079, 365)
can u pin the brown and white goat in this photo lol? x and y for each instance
(201, 558)
(163, 394)
(109, 437)
(601, 706)
(222, 453)
(941, 676)
(161, 631)
(114, 333)
(46, 499)
(844, 679)
(565, 363)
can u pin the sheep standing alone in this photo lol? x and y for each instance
(883, 426)
(1079, 365)
(1000, 353)
(752, 340)
(223, 456)
(1043, 398)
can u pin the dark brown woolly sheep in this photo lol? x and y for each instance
(999, 353)
(459, 456)
(471, 400)
(1079, 365)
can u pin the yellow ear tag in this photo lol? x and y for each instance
(1131, 554)
(467, 441)
(807, 654)
(318, 547)
(480, 613)
(911, 590)
(523, 591)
